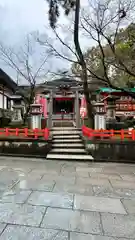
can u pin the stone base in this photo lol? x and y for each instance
(24, 147)
(111, 150)
(16, 123)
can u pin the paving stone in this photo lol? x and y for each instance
(2, 226)
(84, 236)
(113, 193)
(66, 180)
(21, 170)
(124, 193)
(125, 169)
(8, 178)
(2, 167)
(5, 184)
(103, 191)
(31, 184)
(59, 179)
(9, 174)
(98, 204)
(129, 205)
(128, 177)
(66, 219)
(89, 169)
(21, 214)
(122, 184)
(73, 188)
(118, 225)
(82, 174)
(51, 199)
(104, 175)
(30, 233)
(92, 181)
(68, 170)
(118, 169)
(53, 171)
(15, 196)
(31, 176)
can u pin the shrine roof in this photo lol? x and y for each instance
(6, 80)
(61, 81)
(112, 90)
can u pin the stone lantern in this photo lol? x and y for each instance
(18, 109)
(111, 107)
(100, 120)
(36, 115)
(111, 112)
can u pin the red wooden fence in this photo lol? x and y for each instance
(112, 134)
(25, 132)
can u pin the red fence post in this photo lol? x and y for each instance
(46, 133)
(133, 134)
(35, 133)
(111, 133)
(16, 131)
(26, 132)
(6, 132)
(122, 134)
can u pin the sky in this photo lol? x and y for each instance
(19, 18)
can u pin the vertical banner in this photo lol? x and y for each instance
(44, 106)
(83, 109)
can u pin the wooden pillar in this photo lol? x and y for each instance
(50, 110)
(77, 110)
(3, 90)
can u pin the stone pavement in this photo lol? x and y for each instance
(57, 200)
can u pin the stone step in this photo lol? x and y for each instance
(65, 132)
(66, 136)
(64, 128)
(69, 150)
(68, 145)
(69, 157)
(67, 140)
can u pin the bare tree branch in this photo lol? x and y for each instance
(21, 62)
(66, 45)
(54, 50)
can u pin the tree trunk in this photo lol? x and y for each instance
(31, 100)
(83, 65)
(90, 113)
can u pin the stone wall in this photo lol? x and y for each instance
(6, 113)
(111, 150)
(5, 117)
(25, 147)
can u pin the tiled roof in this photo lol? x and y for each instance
(7, 80)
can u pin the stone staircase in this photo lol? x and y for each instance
(67, 145)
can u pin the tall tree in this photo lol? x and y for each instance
(114, 46)
(68, 5)
(125, 49)
(102, 22)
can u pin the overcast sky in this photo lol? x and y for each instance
(20, 17)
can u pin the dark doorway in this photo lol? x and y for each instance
(63, 104)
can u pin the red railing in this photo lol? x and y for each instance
(112, 134)
(25, 132)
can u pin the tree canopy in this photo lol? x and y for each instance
(54, 9)
(125, 50)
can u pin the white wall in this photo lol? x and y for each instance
(5, 102)
(1, 100)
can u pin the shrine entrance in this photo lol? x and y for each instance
(65, 105)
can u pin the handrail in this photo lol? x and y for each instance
(111, 134)
(25, 132)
